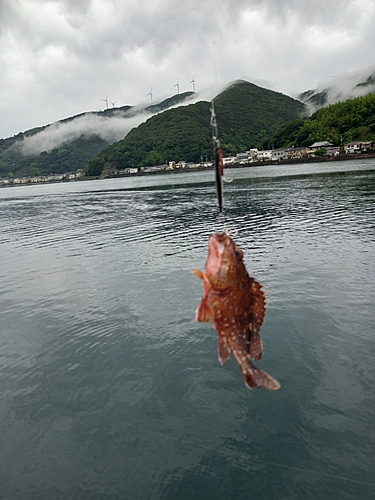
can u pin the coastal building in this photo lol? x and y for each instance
(264, 155)
(278, 154)
(320, 145)
(296, 153)
(359, 147)
(333, 151)
(252, 153)
(242, 158)
(181, 164)
(228, 160)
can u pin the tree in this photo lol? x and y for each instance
(320, 152)
(34, 169)
(94, 167)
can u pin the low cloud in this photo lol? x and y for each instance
(60, 57)
(109, 128)
(345, 85)
(114, 128)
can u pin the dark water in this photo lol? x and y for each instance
(109, 389)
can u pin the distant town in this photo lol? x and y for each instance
(322, 151)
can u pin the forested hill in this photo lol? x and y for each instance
(67, 145)
(246, 115)
(340, 123)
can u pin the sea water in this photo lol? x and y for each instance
(109, 388)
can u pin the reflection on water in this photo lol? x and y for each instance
(110, 389)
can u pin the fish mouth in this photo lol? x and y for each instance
(220, 237)
(217, 243)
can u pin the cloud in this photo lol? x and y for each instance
(109, 128)
(62, 57)
(345, 85)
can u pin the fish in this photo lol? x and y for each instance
(235, 303)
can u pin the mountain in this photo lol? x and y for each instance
(246, 114)
(340, 123)
(68, 144)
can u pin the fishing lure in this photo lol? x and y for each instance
(218, 160)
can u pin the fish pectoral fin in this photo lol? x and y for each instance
(223, 352)
(198, 273)
(204, 312)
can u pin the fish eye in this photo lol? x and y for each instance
(238, 253)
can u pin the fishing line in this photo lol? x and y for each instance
(229, 454)
(218, 162)
(218, 152)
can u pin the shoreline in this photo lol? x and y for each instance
(291, 161)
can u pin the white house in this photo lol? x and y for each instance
(228, 160)
(278, 154)
(252, 153)
(265, 155)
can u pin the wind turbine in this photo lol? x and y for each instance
(150, 94)
(178, 86)
(193, 82)
(113, 104)
(106, 101)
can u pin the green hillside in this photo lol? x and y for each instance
(67, 157)
(246, 115)
(72, 153)
(169, 102)
(339, 123)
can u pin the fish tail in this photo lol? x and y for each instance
(255, 377)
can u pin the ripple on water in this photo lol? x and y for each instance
(109, 385)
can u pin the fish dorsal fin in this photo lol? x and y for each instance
(258, 307)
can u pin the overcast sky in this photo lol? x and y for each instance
(60, 58)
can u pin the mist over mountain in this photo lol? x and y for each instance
(341, 87)
(69, 143)
(110, 125)
(246, 115)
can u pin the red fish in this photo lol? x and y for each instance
(235, 303)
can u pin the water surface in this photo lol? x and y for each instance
(109, 389)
